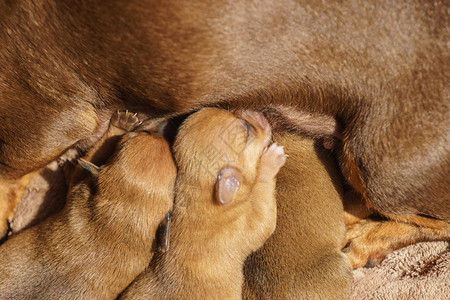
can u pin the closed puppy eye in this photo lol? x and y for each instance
(248, 127)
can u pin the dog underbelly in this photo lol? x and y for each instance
(177, 56)
(32, 139)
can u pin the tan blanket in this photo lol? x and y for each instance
(420, 271)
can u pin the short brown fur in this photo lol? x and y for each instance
(103, 237)
(303, 258)
(209, 241)
(379, 69)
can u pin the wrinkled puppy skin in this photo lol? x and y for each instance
(303, 258)
(224, 209)
(103, 237)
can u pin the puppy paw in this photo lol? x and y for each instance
(125, 120)
(272, 159)
(368, 241)
(359, 246)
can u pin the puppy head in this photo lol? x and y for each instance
(215, 148)
(140, 176)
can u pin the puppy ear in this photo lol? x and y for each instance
(227, 185)
(163, 233)
(88, 166)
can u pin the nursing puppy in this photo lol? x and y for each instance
(225, 207)
(103, 237)
(374, 72)
(303, 258)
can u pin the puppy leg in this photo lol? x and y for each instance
(368, 241)
(11, 191)
(45, 194)
(271, 161)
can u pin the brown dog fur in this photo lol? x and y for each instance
(216, 223)
(103, 237)
(303, 258)
(378, 69)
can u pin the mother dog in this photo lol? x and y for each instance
(374, 74)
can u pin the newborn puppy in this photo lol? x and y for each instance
(224, 209)
(103, 237)
(303, 258)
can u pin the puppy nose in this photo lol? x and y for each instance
(256, 117)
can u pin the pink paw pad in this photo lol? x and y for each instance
(274, 155)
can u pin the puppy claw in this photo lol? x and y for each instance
(274, 157)
(125, 120)
(368, 242)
